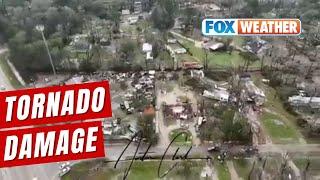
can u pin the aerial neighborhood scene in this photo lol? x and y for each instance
(219, 107)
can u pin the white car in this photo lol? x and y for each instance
(2, 88)
(64, 171)
(64, 165)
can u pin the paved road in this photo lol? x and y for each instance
(3, 79)
(34, 172)
(290, 148)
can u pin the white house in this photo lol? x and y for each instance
(133, 19)
(216, 46)
(172, 41)
(146, 47)
(217, 94)
(255, 93)
(125, 12)
(149, 56)
(313, 102)
(180, 51)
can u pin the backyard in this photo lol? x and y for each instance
(222, 171)
(279, 131)
(183, 139)
(302, 161)
(280, 124)
(243, 167)
(217, 59)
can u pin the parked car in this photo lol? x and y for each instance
(64, 165)
(64, 171)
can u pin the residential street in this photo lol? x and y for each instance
(4, 81)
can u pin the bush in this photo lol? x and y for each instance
(218, 75)
(235, 129)
(195, 84)
(146, 125)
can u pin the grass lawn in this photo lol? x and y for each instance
(182, 139)
(186, 57)
(278, 130)
(275, 105)
(239, 41)
(217, 59)
(273, 164)
(243, 167)
(140, 170)
(273, 102)
(302, 162)
(222, 170)
(7, 71)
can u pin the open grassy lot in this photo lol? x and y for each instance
(279, 131)
(7, 71)
(183, 139)
(314, 167)
(222, 170)
(187, 58)
(140, 170)
(217, 59)
(239, 41)
(274, 110)
(243, 167)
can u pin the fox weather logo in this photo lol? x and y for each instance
(250, 27)
(219, 27)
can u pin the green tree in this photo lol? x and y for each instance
(191, 17)
(95, 8)
(163, 15)
(62, 3)
(127, 49)
(184, 169)
(157, 47)
(235, 127)
(253, 7)
(249, 58)
(309, 10)
(114, 16)
(146, 125)
(210, 132)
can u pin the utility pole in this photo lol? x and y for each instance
(40, 28)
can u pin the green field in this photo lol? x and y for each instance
(222, 170)
(183, 139)
(140, 170)
(278, 130)
(243, 167)
(289, 132)
(314, 165)
(217, 59)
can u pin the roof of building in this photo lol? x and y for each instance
(216, 46)
(149, 110)
(146, 47)
(125, 12)
(75, 80)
